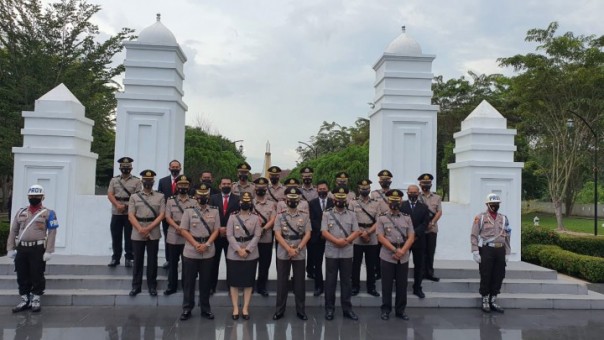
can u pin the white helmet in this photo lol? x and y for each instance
(492, 198)
(35, 190)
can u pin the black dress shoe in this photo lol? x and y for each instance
(212, 291)
(128, 263)
(277, 316)
(329, 315)
(355, 292)
(302, 316)
(432, 278)
(169, 291)
(245, 316)
(113, 263)
(420, 294)
(402, 316)
(186, 315)
(373, 293)
(351, 315)
(208, 315)
(134, 292)
(385, 316)
(263, 292)
(310, 276)
(152, 291)
(235, 316)
(318, 292)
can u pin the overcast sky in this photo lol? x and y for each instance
(274, 70)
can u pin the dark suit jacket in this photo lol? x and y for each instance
(165, 186)
(216, 200)
(316, 216)
(419, 216)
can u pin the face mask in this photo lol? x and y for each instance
(274, 180)
(260, 192)
(225, 190)
(340, 204)
(125, 171)
(364, 193)
(385, 184)
(183, 191)
(34, 201)
(175, 172)
(203, 200)
(207, 182)
(322, 194)
(246, 206)
(494, 207)
(395, 205)
(307, 181)
(147, 184)
(426, 187)
(292, 204)
(243, 178)
(412, 197)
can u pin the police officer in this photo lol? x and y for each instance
(292, 232)
(339, 227)
(146, 210)
(366, 210)
(200, 226)
(490, 241)
(276, 189)
(243, 184)
(292, 183)
(266, 211)
(309, 191)
(175, 208)
(396, 234)
(434, 204)
(31, 242)
(120, 189)
(385, 180)
(342, 181)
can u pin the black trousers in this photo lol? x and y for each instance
(221, 245)
(164, 227)
(430, 251)
(418, 249)
(121, 228)
(394, 274)
(332, 267)
(190, 269)
(283, 267)
(265, 251)
(30, 268)
(315, 256)
(492, 270)
(174, 255)
(138, 248)
(371, 253)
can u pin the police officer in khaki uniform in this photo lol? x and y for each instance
(175, 208)
(266, 211)
(31, 242)
(342, 181)
(120, 189)
(396, 234)
(200, 226)
(434, 204)
(491, 249)
(366, 210)
(309, 191)
(243, 184)
(385, 180)
(339, 227)
(292, 232)
(276, 189)
(292, 183)
(146, 210)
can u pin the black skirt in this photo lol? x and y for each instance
(241, 274)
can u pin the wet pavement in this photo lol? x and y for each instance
(92, 323)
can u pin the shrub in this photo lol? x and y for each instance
(538, 235)
(551, 256)
(586, 245)
(4, 230)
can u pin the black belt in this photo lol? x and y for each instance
(292, 237)
(365, 225)
(201, 239)
(145, 219)
(244, 238)
(123, 199)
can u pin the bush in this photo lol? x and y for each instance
(4, 230)
(551, 256)
(586, 245)
(538, 235)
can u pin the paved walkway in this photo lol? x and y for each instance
(433, 324)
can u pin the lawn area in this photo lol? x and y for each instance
(573, 223)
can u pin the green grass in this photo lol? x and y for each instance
(572, 223)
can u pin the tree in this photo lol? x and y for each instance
(41, 47)
(567, 74)
(332, 137)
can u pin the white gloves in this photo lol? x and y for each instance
(476, 256)
(507, 257)
(12, 254)
(46, 256)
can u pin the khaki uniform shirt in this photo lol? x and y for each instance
(140, 210)
(235, 230)
(350, 196)
(44, 227)
(348, 220)
(434, 203)
(309, 193)
(371, 206)
(239, 189)
(302, 206)
(275, 193)
(268, 209)
(380, 196)
(132, 183)
(300, 222)
(191, 222)
(174, 213)
(388, 229)
(493, 230)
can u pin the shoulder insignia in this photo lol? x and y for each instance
(116, 176)
(212, 207)
(383, 214)
(329, 209)
(404, 214)
(476, 219)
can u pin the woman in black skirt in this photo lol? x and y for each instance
(243, 232)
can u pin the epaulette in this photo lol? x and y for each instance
(117, 176)
(383, 214)
(329, 209)
(212, 207)
(404, 214)
(134, 177)
(173, 196)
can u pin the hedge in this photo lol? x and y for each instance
(551, 256)
(538, 235)
(585, 245)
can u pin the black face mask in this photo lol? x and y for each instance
(225, 190)
(246, 206)
(364, 193)
(385, 184)
(292, 204)
(307, 181)
(260, 192)
(395, 205)
(175, 172)
(183, 191)
(243, 178)
(148, 184)
(274, 180)
(412, 197)
(322, 194)
(125, 171)
(494, 207)
(207, 182)
(33, 201)
(340, 204)
(203, 200)
(426, 187)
